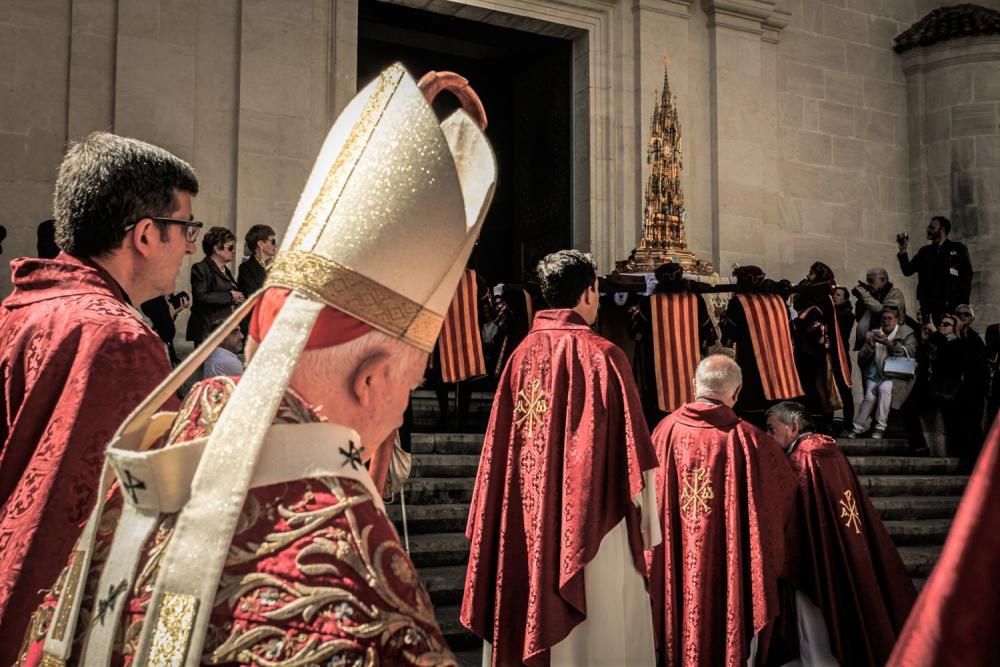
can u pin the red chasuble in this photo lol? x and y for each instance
(956, 621)
(848, 565)
(726, 498)
(315, 575)
(564, 455)
(76, 359)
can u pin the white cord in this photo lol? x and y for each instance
(406, 532)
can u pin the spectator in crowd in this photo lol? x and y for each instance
(46, 239)
(845, 320)
(261, 248)
(972, 389)
(225, 360)
(873, 294)
(992, 373)
(213, 288)
(162, 311)
(3, 237)
(75, 356)
(892, 339)
(943, 268)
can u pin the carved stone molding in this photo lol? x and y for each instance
(681, 8)
(760, 17)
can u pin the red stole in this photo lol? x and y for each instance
(842, 365)
(461, 343)
(564, 455)
(676, 349)
(849, 566)
(767, 319)
(956, 619)
(725, 493)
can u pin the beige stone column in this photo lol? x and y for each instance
(93, 42)
(742, 34)
(953, 91)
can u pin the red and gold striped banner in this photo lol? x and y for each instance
(767, 318)
(461, 345)
(676, 347)
(845, 366)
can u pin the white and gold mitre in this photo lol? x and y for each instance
(392, 189)
(382, 232)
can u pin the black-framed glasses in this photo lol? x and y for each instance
(964, 316)
(229, 246)
(192, 228)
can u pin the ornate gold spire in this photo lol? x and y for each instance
(663, 238)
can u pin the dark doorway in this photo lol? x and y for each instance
(525, 83)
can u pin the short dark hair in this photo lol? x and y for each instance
(944, 222)
(107, 183)
(792, 412)
(564, 276)
(847, 292)
(889, 308)
(255, 235)
(216, 236)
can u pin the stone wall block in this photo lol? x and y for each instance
(963, 153)
(48, 14)
(848, 153)
(815, 148)
(175, 22)
(885, 96)
(809, 16)
(273, 87)
(94, 17)
(986, 84)
(836, 119)
(288, 11)
(881, 127)
(946, 87)
(987, 151)
(937, 125)
(843, 88)
(885, 159)
(139, 19)
(42, 59)
(938, 157)
(816, 50)
(882, 32)
(8, 54)
(845, 24)
(939, 193)
(904, 11)
(93, 61)
(973, 119)
(810, 114)
(790, 110)
(277, 41)
(800, 79)
(870, 62)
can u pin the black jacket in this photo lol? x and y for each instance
(211, 297)
(944, 276)
(251, 276)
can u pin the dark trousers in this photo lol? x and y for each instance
(963, 430)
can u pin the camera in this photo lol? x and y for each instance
(902, 237)
(175, 299)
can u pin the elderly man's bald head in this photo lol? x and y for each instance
(718, 377)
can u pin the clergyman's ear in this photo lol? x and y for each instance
(366, 378)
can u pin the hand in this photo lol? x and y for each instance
(238, 297)
(903, 244)
(184, 304)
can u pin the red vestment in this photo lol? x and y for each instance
(76, 359)
(315, 575)
(956, 619)
(564, 456)
(848, 565)
(726, 497)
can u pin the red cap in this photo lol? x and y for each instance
(332, 327)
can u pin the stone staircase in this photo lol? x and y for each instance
(916, 496)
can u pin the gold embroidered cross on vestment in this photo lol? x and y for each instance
(531, 407)
(849, 512)
(696, 493)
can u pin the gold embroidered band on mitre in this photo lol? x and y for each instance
(356, 295)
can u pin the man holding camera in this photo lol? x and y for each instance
(943, 268)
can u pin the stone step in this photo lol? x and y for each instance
(438, 490)
(872, 447)
(446, 443)
(919, 561)
(431, 395)
(916, 507)
(445, 465)
(452, 628)
(444, 583)
(926, 532)
(447, 518)
(903, 465)
(928, 485)
(430, 549)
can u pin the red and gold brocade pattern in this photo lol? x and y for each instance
(315, 572)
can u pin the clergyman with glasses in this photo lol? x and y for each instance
(75, 355)
(214, 292)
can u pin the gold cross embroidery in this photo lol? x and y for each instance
(531, 407)
(696, 493)
(849, 512)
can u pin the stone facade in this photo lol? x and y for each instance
(799, 142)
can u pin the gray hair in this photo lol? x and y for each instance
(792, 412)
(717, 374)
(878, 272)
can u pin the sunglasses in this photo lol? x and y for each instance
(947, 325)
(964, 316)
(229, 246)
(192, 228)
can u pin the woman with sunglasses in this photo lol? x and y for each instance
(213, 289)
